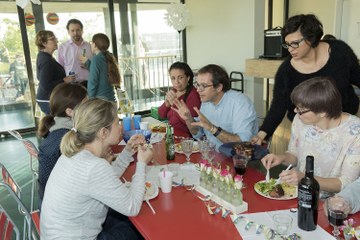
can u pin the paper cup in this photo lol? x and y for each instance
(126, 121)
(144, 125)
(137, 120)
(165, 179)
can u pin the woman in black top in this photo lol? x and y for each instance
(310, 57)
(49, 72)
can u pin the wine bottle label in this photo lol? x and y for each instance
(305, 198)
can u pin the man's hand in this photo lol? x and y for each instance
(182, 109)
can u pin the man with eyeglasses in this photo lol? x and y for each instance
(309, 57)
(69, 52)
(225, 115)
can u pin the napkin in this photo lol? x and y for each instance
(266, 218)
(156, 137)
(188, 174)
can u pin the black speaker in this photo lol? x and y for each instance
(272, 44)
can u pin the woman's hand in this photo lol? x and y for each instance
(259, 138)
(83, 59)
(134, 142)
(292, 177)
(69, 79)
(170, 98)
(145, 153)
(271, 160)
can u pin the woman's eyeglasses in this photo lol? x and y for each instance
(202, 86)
(301, 112)
(294, 44)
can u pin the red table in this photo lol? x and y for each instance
(181, 215)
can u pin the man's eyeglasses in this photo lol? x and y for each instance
(301, 112)
(294, 44)
(202, 86)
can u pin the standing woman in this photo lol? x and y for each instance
(104, 71)
(49, 72)
(309, 57)
(84, 197)
(182, 79)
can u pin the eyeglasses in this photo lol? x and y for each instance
(301, 112)
(202, 86)
(294, 44)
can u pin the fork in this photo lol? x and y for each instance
(267, 177)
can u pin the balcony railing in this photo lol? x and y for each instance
(146, 79)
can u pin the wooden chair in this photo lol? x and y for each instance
(7, 226)
(237, 77)
(33, 153)
(15, 192)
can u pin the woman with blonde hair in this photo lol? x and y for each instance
(85, 182)
(104, 72)
(49, 72)
(52, 127)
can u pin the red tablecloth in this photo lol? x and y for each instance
(181, 215)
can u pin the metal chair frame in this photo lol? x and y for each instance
(236, 76)
(33, 152)
(7, 226)
(15, 192)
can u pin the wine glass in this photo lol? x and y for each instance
(187, 147)
(210, 152)
(337, 210)
(203, 143)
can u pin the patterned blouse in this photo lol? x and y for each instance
(336, 151)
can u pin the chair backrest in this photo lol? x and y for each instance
(8, 180)
(15, 192)
(7, 226)
(30, 147)
(236, 76)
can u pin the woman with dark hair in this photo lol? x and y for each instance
(54, 126)
(49, 72)
(104, 71)
(309, 57)
(182, 79)
(320, 128)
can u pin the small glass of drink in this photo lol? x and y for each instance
(240, 163)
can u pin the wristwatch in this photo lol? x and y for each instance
(218, 131)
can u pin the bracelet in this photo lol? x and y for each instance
(212, 129)
(219, 129)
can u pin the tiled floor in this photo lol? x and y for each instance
(16, 159)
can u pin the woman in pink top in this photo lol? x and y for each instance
(182, 79)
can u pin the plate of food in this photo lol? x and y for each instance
(151, 190)
(282, 191)
(195, 148)
(161, 128)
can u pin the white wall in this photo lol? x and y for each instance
(325, 10)
(350, 24)
(225, 33)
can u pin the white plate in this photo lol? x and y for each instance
(179, 150)
(151, 192)
(285, 197)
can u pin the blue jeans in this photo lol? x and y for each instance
(118, 227)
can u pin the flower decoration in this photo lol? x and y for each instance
(238, 182)
(348, 227)
(52, 18)
(177, 16)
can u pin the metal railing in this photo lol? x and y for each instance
(146, 79)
